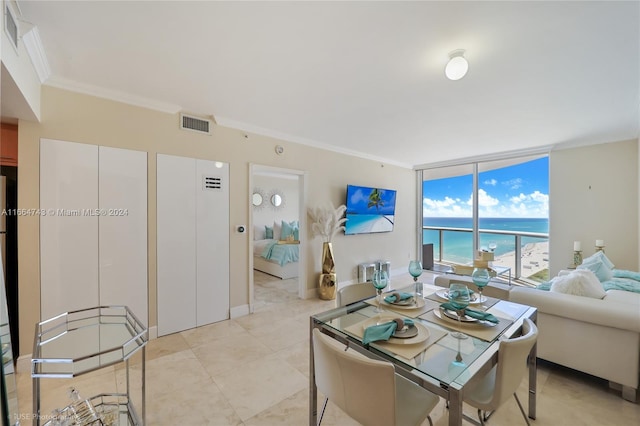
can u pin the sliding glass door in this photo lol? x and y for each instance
(499, 206)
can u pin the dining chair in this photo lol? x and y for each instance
(503, 379)
(367, 390)
(354, 293)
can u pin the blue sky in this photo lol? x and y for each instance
(358, 198)
(521, 190)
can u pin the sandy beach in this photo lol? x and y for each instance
(535, 258)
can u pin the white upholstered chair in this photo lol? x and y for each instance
(354, 293)
(367, 390)
(503, 379)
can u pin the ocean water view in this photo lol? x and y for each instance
(458, 245)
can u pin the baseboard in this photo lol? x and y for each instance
(239, 311)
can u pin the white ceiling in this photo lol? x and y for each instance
(364, 77)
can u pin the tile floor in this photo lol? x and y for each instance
(253, 370)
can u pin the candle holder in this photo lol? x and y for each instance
(600, 248)
(577, 257)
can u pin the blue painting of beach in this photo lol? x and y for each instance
(369, 210)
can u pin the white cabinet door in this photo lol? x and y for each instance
(176, 232)
(68, 234)
(212, 225)
(193, 243)
(123, 229)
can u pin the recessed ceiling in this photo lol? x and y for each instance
(365, 77)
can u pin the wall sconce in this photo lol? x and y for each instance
(457, 66)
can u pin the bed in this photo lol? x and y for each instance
(274, 256)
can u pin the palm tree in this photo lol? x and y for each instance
(375, 198)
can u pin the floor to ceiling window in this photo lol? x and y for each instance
(500, 206)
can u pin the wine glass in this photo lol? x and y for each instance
(459, 298)
(415, 269)
(380, 281)
(480, 277)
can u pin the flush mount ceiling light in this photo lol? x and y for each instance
(457, 66)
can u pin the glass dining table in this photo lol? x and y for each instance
(432, 358)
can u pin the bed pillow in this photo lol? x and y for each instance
(290, 229)
(287, 230)
(268, 232)
(259, 232)
(277, 231)
(581, 282)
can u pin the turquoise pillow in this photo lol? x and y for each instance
(296, 229)
(287, 230)
(599, 256)
(599, 268)
(268, 232)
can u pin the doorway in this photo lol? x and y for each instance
(277, 225)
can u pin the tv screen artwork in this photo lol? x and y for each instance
(369, 210)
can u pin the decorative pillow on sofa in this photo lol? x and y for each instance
(600, 265)
(599, 256)
(581, 282)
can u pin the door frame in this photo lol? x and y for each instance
(302, 179)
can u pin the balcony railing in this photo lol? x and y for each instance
(527, 253)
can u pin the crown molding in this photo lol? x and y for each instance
(227, 122)
(35, 50)
(114, 95)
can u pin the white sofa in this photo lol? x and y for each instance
(600, 337)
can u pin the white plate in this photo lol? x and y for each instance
(419, 303)
(423, 332)
(444, 294)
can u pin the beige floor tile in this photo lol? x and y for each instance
(201, 404)
(210, 333)
(230, 354)
(259, 385)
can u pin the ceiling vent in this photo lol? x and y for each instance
(10, 25)
(195, 124)
(211, 183)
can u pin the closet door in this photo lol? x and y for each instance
(176, 232)
(212, 225)
(123, 229)
(68, 234)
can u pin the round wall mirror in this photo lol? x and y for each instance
(257, 199)
(276, 200)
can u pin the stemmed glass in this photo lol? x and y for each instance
(380, 281)
(459, 298)
(480, 277)
(415, 269)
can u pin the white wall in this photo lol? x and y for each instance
(266, 214)
(593, 194)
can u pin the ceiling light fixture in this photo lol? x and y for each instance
(457, 66)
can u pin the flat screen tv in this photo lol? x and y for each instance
(369, 210)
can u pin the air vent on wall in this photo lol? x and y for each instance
(10, 26)
(196, 124)
(211, 183)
